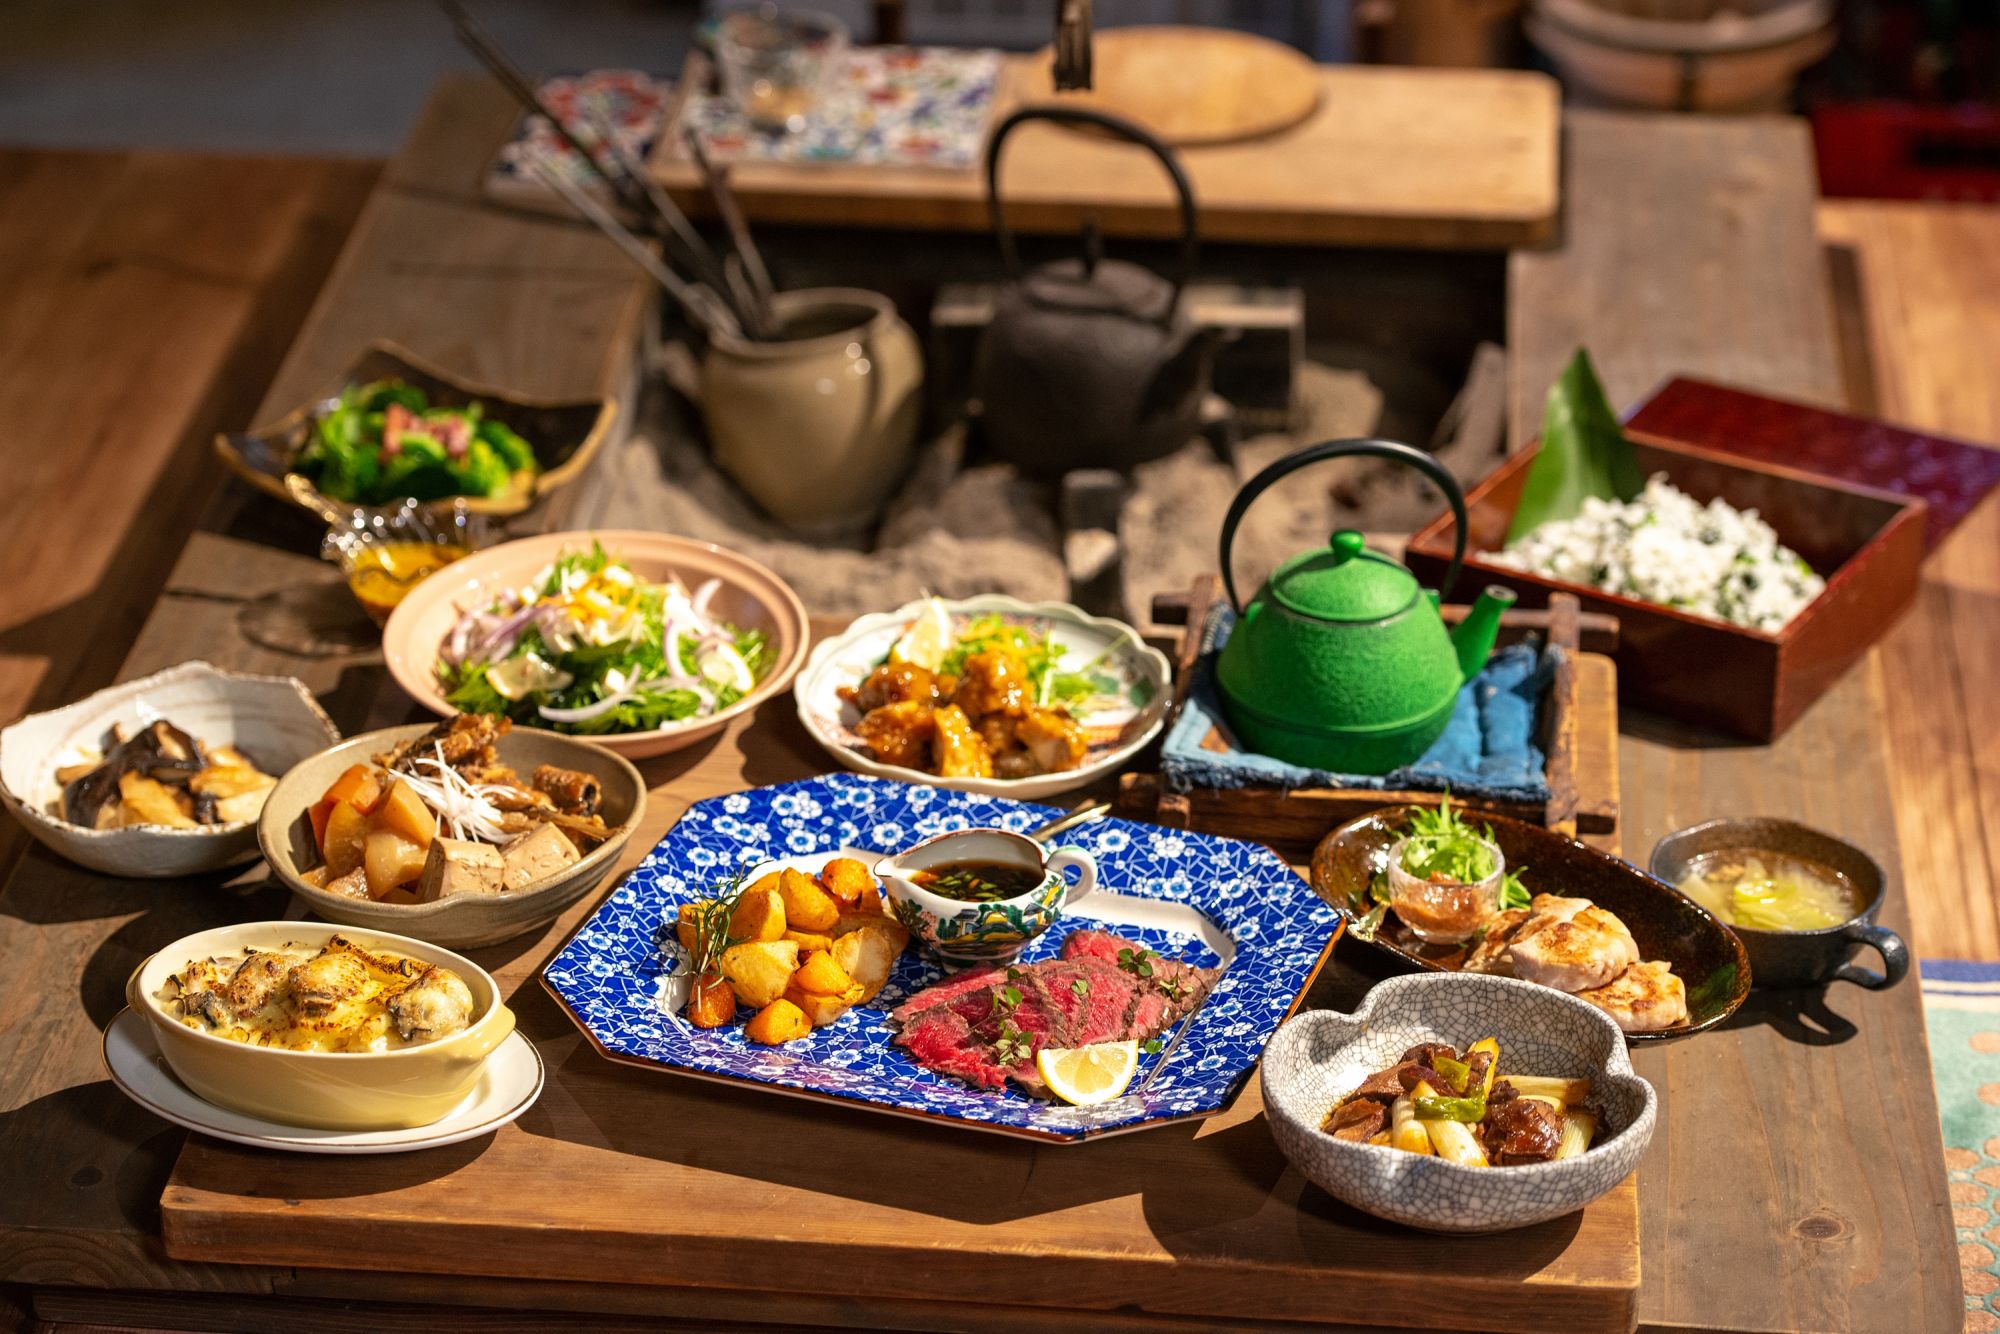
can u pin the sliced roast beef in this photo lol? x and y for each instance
(1103, 989)
(956, 985)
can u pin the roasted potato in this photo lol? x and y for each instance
(807, 906)
(821, 975)
(711, 1002)
(759, 915)
(808, 941)
(780, 1021)
(759, 970)
(819, 1009)
(850, 922)
(685, 921)
(868, 954)
(846, 880)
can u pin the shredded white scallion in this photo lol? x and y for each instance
(464, 809)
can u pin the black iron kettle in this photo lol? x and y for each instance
(1089, 362)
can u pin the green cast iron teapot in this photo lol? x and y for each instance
(1342, 662)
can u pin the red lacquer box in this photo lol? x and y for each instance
(1867, 543)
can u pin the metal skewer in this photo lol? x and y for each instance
(731, 213)
(627, 186)
(710, 314)
(510, 75)
(714, 269)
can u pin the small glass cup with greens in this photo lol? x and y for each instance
(1444, 878)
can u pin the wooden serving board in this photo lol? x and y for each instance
(1188, 85)
(1453, 159)
(620, 1176)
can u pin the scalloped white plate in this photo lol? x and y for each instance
(1116, 734)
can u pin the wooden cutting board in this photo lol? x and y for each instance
(1189, 85)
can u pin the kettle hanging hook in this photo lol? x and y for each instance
(1334, 449)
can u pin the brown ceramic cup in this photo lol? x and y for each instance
(1797, 958)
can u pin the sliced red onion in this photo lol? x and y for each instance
(701, 598)
(670, 645)
(588, 711)
(503, 636)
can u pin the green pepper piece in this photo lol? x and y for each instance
(1469, 1111)
(1455, 1073)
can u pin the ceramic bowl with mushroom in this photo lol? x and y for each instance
(163, 776)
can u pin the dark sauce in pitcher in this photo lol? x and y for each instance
(978, 881)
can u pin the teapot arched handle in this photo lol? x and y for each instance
(1183, 269)
(1335, 449)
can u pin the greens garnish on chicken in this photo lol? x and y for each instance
(589, 647)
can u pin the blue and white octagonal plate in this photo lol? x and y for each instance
(1206, 900)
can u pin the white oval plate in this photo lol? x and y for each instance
(508, 1085)
(1116, 734)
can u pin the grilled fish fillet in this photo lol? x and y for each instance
(1643, 998)
(1570, 944)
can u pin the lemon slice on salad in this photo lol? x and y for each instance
(1082, 1076)
(722, 665)
(517, 678)
(927, 639)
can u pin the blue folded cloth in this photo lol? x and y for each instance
(1487, 750)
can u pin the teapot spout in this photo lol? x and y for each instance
(1473, 638)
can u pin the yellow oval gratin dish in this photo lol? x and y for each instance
(389, 1090)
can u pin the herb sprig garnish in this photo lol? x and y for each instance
(711, 927)
(1012, 1046)
(1004, 1001)
(1135, 962)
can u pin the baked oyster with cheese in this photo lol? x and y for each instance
(339, 998)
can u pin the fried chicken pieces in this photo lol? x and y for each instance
(982, 723)
(1575, 946)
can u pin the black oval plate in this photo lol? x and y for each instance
(1666, 924)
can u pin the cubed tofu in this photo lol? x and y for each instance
(354, 884)
(460, 866)
(536, 855)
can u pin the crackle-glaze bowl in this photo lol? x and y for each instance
(1320, 1056)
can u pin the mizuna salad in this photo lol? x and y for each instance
(589, 647)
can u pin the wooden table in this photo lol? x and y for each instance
(1431, 158)
(1795, 1184)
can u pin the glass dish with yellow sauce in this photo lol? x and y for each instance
(384, 553)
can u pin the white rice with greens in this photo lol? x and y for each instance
(1667, 548)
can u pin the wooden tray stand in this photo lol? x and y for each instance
(1578, 734)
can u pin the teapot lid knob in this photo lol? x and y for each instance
(1347, 544)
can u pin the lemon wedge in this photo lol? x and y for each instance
(927, 639)
(1085, 1075)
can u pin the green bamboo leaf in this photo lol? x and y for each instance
(1583, 453)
